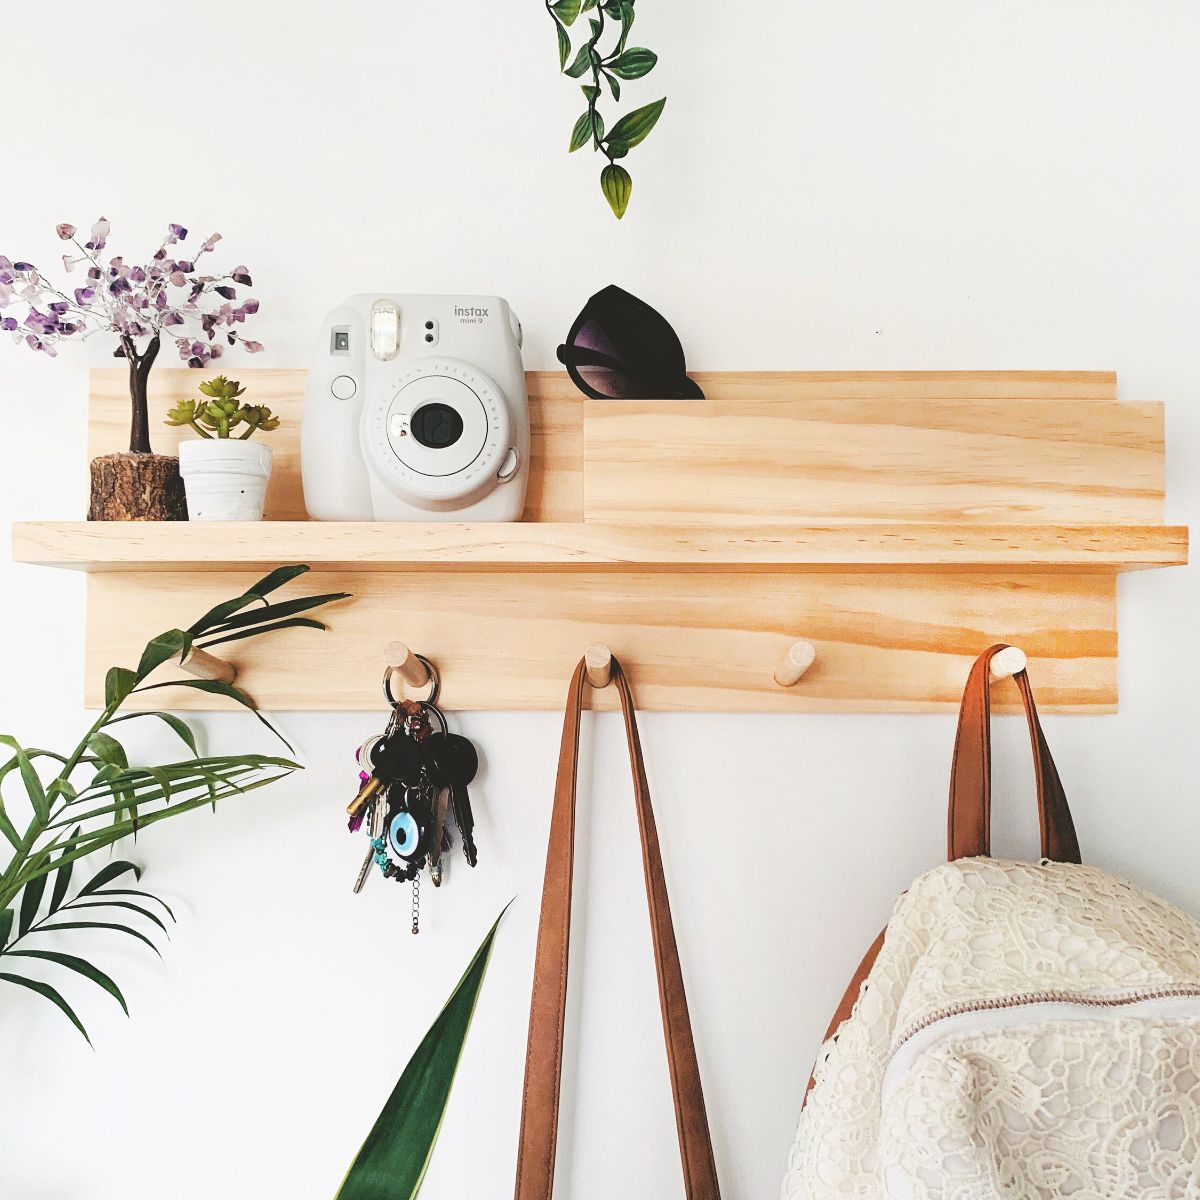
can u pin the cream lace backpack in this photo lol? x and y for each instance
(1018, 1031)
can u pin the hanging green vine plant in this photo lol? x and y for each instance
(619, 62)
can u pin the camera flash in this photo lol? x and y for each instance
(385, 330)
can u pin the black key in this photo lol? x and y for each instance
(455, 762)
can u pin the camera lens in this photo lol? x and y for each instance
(436, 425)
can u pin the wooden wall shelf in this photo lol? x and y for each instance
(578, 546)
(898, 521)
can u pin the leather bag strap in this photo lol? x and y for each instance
(543, 1060)
(970, 817)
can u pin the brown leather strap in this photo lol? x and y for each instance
(543, 1060)
(970, 817)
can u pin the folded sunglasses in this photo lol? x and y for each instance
(620, 348)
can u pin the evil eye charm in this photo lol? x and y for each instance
(405, 835)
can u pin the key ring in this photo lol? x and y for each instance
(434, 679)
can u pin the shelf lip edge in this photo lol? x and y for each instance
(602, 547)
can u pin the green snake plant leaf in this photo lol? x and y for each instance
(51, 994)
(80, 966)
(617, 186)
(394, 1158)
(613, 85)
(564, 46)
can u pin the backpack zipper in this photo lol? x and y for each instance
(1048, 997)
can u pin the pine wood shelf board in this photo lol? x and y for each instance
(508, 640)
(807, 461)
(142, 547)
(556, 414)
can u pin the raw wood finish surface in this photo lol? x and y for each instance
(556, 414)
(507, 640)
(806, 461)
(587, 547)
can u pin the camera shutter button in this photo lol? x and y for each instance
(508, 468)
(343, 387)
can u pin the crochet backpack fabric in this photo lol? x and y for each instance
(1018, 1031)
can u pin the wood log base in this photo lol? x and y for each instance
(137, 487)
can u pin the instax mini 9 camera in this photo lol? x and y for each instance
(416, 411)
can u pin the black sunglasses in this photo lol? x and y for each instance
(620, 348)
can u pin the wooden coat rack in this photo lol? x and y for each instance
(895, 523)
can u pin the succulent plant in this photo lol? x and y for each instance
(221, 413)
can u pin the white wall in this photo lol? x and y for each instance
(851, 185)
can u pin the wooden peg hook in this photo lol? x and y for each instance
(799, 657)
(1007, 662)
(598, 664)
(406, 664)
(203, 665)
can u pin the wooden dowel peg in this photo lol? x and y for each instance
(598, 662)
(406, 664)
(1007, 662)
(203, 665)
(799, 657)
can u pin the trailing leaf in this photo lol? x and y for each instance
(633, 64)
(566, 11)
(617, 187)
(581, 62)
(633, 127)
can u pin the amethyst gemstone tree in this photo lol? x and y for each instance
(168, 297)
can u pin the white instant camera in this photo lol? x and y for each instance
(416, 411)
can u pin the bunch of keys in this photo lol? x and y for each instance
(414, 780)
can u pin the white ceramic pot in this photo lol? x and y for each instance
(225, 479)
